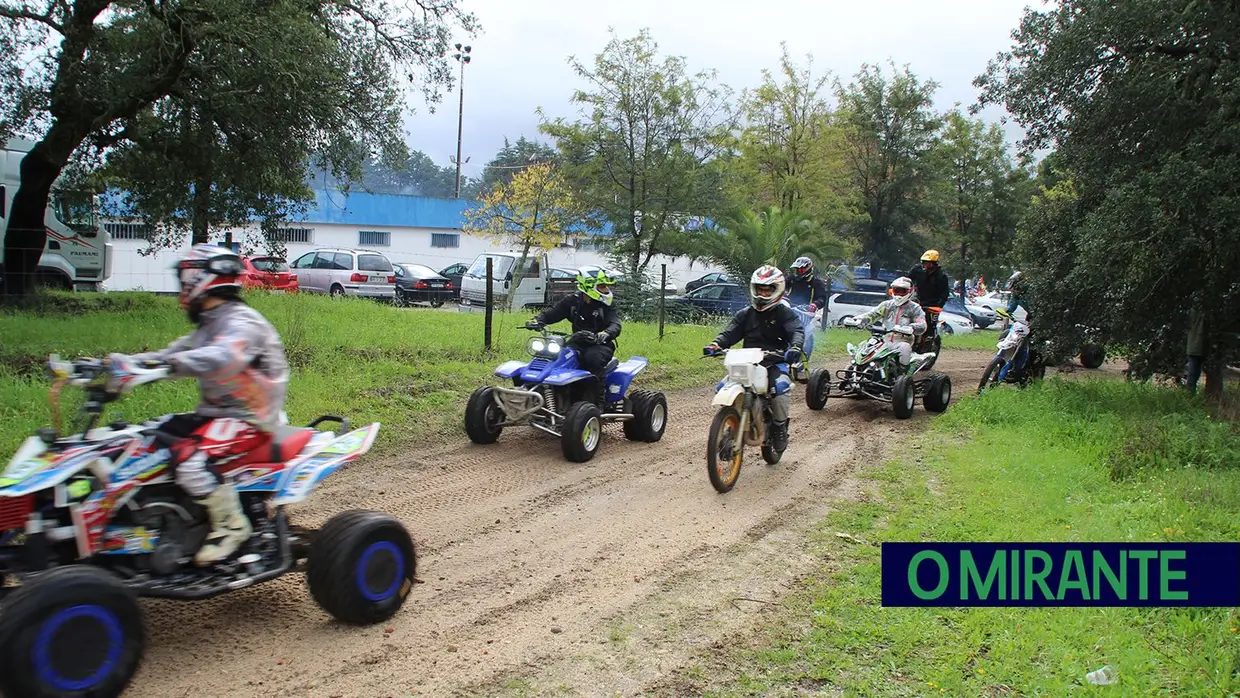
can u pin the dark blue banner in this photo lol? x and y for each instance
(1061, 574)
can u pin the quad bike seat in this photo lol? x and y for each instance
(281, 445)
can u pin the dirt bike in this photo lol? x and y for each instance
(553, 394)
(1003, 367)
(875, 374)
(92, 521)
(744, 400)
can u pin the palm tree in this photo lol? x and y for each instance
(745, 240)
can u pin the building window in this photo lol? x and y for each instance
(128, 231)
(374, 238)
(303, 236)
(445, 240)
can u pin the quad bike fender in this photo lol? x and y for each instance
(566, 376)
(508, 369)
(729, 394)
(44, 469)
(619, 380)
(305, 472)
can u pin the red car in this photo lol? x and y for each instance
(268, 274)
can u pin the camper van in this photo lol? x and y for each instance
(77, 254)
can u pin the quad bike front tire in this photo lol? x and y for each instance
(938, 394)
(725, 450)
(903, 397)
(361, 566)
(818, 389)
(583, 432)
(649, 416)
(74, 630)
(482, 416)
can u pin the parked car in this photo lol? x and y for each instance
(712, 299)
(536, 288)
(847, 304)
(454, 273)
(999, 299)
(714, 278)
(982, 316)
(268, 274)
(346, 272)
(419, 283)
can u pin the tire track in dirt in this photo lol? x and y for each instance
(535, 568)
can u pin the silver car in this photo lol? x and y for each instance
(345, 272)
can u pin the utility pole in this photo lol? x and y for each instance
(462, 57)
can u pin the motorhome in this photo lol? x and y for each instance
(77, 254)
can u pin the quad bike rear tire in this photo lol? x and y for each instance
(482, 416)
(1093, 355)
(818, 389)
(649, 416)
(582, 432)
(361, 566)
(903, 397)
(938, 394)
(74, 630)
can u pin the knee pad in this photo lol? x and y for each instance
(783, 385)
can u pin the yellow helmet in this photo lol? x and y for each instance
(930, 256)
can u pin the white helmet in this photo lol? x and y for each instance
(205, 270)
(766, 277)
(901, 291)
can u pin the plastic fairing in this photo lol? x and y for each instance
(619, 380)
(729, 394)
(508, 369)
(309, 469)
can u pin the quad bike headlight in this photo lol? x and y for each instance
(537, 345)
(553, 347)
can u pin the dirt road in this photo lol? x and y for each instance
(541, 575)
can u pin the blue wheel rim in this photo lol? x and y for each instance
(363, 565)
(42, 653)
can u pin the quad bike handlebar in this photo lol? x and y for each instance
(104, 380)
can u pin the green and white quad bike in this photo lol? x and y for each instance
(874, 373)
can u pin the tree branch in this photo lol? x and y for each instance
(28, 14)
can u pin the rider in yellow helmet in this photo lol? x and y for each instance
(932, 291)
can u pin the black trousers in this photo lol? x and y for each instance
(594, 357)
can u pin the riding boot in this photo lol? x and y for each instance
(779, 435)
(230, 527)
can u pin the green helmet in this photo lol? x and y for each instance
(589, 279)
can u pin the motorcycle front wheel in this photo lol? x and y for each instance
(991, 375)
(725, 449)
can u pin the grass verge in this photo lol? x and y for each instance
(1058, 462)
(411, 369)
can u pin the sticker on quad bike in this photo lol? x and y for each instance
(128, 540)
(45, 470)
(304, 475)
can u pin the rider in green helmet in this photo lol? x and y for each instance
(596, 322)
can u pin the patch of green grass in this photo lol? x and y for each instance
(1031, 465)
(411, 369)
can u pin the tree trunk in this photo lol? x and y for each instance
(1214, 371)
(201, 216)
(27, 232)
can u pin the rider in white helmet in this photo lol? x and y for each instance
(901, 311)
(242, 373)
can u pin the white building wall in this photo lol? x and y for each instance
(132, 271)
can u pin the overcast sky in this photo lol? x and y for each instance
(520, 58)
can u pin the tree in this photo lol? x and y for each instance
(76, 70)
(417, 175)
(790, 154)
(638, 155)
(1139, 102)
(229, 144)
(513, 158)
(536, 210)
(890, 132)
(744, 240)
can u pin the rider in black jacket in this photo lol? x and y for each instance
(596, 322)
(930, 282)
(805, 288)
(771, 325)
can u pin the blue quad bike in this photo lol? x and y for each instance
(552, 394)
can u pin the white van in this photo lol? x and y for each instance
(536, 287)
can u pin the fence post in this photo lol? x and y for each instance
(662, 295)
(489, 301)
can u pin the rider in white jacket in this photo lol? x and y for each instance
(899, 312)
